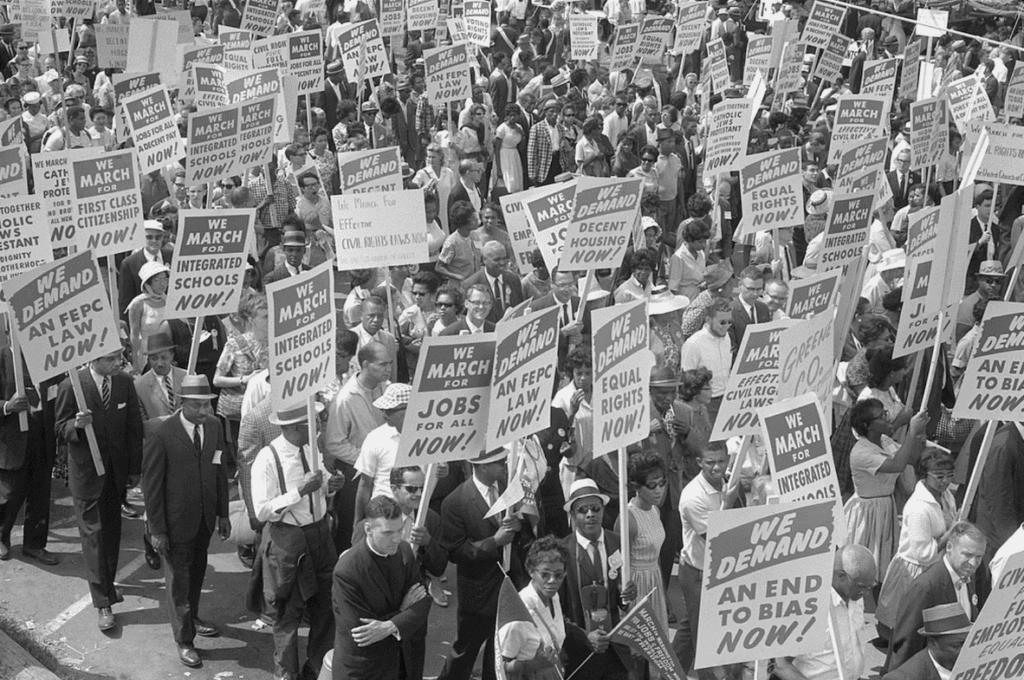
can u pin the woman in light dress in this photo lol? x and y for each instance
(506, 150)
(415, 322)
(146, 311)
(531, 650)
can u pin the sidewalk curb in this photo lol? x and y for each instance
(17, 664)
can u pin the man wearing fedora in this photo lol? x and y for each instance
(593, 595)
(476, 545)
(945, 631)
(112, 409)
(186, 490)
(990, 287)
(129, 284)
(293, 243)
(292, 499)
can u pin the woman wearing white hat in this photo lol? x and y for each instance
(665, 311)
(146, 311)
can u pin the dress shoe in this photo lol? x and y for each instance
(5, 551)
(204, 629)
(153, 560)
(128, 512)
(246, 555)
(118, 597)
(189, 656)
(41, 554)
(106, 618)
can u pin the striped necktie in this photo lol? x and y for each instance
(169, 389)
(105, 392)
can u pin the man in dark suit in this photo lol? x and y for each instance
(501, 86)
(24, 465)
(466, 189)
(479, 301)
(476, 544)
(294, 245)
(747, 308)
(334, 92)
(379, 599)
(506, 287)
(129, 284)
(999, 511)
(951, 579)
(413, 151)
(112, 408)
(593, 596)
(945, 630)
(564, 295)
(186, 491)
(901, 179)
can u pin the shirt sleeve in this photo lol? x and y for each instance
(866, 457)
(447, 251)
(267, 500)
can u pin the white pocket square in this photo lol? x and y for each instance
(121, 406)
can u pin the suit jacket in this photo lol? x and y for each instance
(118, 432)
(933, 587)
(502, 94)
(513, 290)
(129, 284)
(368, 586)
(459, 193)
(563, 342)
(184, 488)
(899, 199)
(460, 327)
(740, 321)
(918, 667)
(281, 272)
(153, 401)
(12, 439)
(1000, 509)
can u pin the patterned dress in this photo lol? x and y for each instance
(643, 558)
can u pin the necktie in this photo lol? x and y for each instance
(492, 496)
(903, 186)
(197, 439)
(170, 390)
(565, 314)
(595, 559)
(105, 392)
(499, 304)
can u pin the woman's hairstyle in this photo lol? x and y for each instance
(454, 293)
(428, 279)
(546, 549)
(861, 414)
(881, 365)
(873, 327)
(699, 205)
(579, 357)
(934, 460)
(693, 381)
(696, 230)
(642, 465)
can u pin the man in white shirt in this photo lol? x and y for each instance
(853, 575)
(776, 295)
(293, 500)
(617, 122)
(711, 348)
(312, 208)
(379, 449)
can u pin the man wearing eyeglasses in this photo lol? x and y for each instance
(479, 301)
(312, 208)
(748, 309)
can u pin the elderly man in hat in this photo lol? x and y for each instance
(475, 543)
(186, 487)
(593, 595)
(368, 117)
(335, 91)
(289, 494)
(945, 630)
(293, 243)
(990, 287)
(129, 284)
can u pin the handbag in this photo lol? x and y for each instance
(951, 432)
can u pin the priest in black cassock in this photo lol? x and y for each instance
(379, 599)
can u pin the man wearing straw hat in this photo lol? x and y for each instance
(288, 493)
(945, 629)
(186, 490)
(293, 243)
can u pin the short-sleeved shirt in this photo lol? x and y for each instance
(459, 254)
(865, 459)
(698, 499)
(713, 353)
(377, 457)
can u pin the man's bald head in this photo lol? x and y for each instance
(495, 258)
(854, 572)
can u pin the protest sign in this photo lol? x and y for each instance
(824, 21)
(992, 387)
(929, 132)
(447, 74)
(24, 237)
(298, 54)
(523, 239)
(1003, 161)
(641, 629)
(208, 267)
(932, 23)
(11, 132)
(229, 140)
(392, 18)
(112, 45)
(772, 192)
(605, 212)
(918, 325)
(126, 85)
(846, 231)
(857, 118)
(725, 150)
(549, 214)
(922, 228)
(880, 77)
(195, 54)
(716, 59)
(211, 91)
(525, 356)
(759, 56)
(1013, 105)
(968, 102)
(259, 17)
(237, 48)
(34, 19)
(830, 63)
(61, 315)
(179, 18)
(627, 39)
(860, 156)
(812, 296)
(370, 170)
(796, 436)
(622, 376)
(476, 19)
(767, 578)
(52, 173)
(13, 178)
(911, 69)
(362, 50)
(992, 649)
(806, 360)
(689, 27)
(153, 128)
(302, 328)
(655, 35)
(752, 382)
(379, 228)
(421, 15)
(447, 412)
(949, 266)
(106, 202)
(790, 78)
(583, 36)
(77, 9)
(265, 82)
(151, 44)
